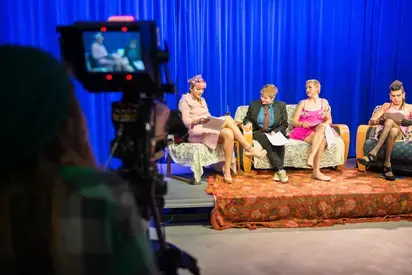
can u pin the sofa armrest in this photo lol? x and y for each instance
(360, 141)
(344, 133)
(246, 161)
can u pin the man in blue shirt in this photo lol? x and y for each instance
(269, 116)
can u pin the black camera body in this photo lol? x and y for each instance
(82, 46)
(125, 56)
(122, 57)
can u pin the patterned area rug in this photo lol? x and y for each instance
(254, 200)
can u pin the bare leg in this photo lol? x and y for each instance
(390, 143)
(117, 63)
(389, 124)
(316, 141)
(317, 174)
(231, 124)
(226, 138)
(126, 65)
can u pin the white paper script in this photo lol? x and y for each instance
(277, 139)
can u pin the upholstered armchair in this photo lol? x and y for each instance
(196, 156)
(401, 158)
(296, 151)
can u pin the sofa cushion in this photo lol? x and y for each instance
(296, 151)
(290, 109)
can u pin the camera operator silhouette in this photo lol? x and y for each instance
(58, 213)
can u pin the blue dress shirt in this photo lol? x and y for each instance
(261, 116)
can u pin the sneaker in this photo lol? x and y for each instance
(281, 176)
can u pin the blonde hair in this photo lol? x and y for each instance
(269, 90)
(36, 189)
(314, 82)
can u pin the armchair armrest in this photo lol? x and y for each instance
(238, 123)
(246, 161)
(360, 141)
(344, 133)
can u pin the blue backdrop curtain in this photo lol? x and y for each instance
(355, 48)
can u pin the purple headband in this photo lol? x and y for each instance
(196, 79)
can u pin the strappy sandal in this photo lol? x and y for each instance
(365, 162)
(388, 170)
(227, 178)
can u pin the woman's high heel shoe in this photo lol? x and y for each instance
(256, 153)
(387, 171)
(367, 162)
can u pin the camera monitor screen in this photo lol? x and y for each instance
(113, 51)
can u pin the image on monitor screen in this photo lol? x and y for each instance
(113, 51)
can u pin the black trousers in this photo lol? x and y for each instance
(276, 154)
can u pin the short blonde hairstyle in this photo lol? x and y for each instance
(269, 90)
(314, 82)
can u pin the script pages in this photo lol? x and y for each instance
(214, 123)
(277, 139)
(395, 116)
(330, 136)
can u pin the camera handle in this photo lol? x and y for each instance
(170, 258)
(144, 175)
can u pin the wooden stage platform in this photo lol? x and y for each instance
(255, 200)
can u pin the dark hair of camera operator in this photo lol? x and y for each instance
(58, 213)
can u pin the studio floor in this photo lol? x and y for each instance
(365, 248)
(368, 248)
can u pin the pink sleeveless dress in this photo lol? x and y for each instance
(193, 109)
(313, 118)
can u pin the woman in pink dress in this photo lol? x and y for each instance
(389, 131)
(309, 122)
(195, 113)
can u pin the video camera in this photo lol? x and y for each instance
(123, 55)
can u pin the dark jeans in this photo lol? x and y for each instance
(276, 154)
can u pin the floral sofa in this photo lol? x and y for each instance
(296, 152)
(401, 157)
